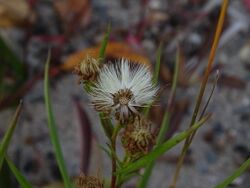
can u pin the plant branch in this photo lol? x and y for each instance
(202, 89)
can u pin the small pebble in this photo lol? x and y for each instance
(244, 53)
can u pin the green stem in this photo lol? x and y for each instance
(165, 122)
(113, 145)
(234, 175)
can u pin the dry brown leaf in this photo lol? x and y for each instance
(114, 50)
(73, 12)
(13, 12)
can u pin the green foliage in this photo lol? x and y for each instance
(5, 176)
(7, 137)
(234, 175)
(104, 43)
(202, 89)
(165, 122)
(158, 151)
(52, 128)
(158, 65)
(20, 178)
(107, 125)
(105, 121)
(166, 118)
(155, 75)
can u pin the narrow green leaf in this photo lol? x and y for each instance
(126, 178)
(7, 137)
(158, 65)
(155, 75)
(104, 43)
(206, 105)
(234, 175)
(20, 178)
(146, 176)
(158, 151)
(148, 170)
(211, 94)
(107, 125)
(52, 127)
(164, 128)
(165, 122)
(5, 176)
(106, 150)
(105, 121)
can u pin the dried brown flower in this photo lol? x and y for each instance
(138, 137)
(83, 181)
(88, 69)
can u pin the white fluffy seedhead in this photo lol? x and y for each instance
(122, 87)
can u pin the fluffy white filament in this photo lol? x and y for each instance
(123, 74)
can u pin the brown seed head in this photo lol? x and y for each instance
(138, 137)
(88, 69)
(83, 181)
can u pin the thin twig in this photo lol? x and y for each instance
(202, 89)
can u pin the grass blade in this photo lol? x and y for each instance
(155, 75)
(158, 65)
(206, 105)
(201, 90)
(20, 178)
(210, 96)
(234, 175)
(158, 151)
(106, 124)
(7, 137)
(5, 176)
(148, 170)
(105, 121)
(52, 128)
(104, 43)
(165, 122)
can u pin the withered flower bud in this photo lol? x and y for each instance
(88, 69)
(138, 137)
(88, 182)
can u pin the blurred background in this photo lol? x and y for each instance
(74, 28)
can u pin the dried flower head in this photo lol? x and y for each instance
(122, 88)
(138, 137)
(88, 69)
(88, 182)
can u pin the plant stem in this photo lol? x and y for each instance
(179, 164)
(234, 175)
(202, 90)
(113, 178)
(113, 145)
